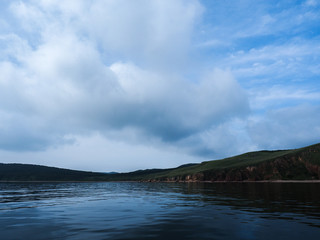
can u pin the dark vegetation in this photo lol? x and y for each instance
(28, 172)
(296, 164)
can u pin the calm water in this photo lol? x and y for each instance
(159, 211)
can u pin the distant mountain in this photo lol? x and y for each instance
(296, 164)
(29, 172)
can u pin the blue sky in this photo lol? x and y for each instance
(124, 85)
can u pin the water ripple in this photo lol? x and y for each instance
(159, 211)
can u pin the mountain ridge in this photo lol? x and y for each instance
(295, 164)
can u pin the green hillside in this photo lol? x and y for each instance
(296, 164)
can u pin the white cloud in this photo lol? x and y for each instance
(97, 153)
(287, 127)
(124, 74)
(13, 47)
(293, 61)
(312, 3)
(157, 33)
(264, 42)
(213, 43)
(278, 95)
(66, 85)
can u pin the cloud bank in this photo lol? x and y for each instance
(168, 80)
(78, 68)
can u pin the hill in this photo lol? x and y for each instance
(296, 164)
(29, 172)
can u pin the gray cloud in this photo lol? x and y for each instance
(66, 84)
(113, 80)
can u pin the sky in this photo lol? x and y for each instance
(107, 85)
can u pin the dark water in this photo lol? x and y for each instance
(159, 211)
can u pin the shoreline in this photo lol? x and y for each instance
(150, 181)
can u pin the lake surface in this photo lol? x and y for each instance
(159, 211)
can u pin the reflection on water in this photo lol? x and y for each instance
(159, 210)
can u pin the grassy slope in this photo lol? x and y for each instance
(236, 162)
(25, 172)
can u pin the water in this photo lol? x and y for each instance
(159, 211)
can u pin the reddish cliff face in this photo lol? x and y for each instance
(302, 165)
